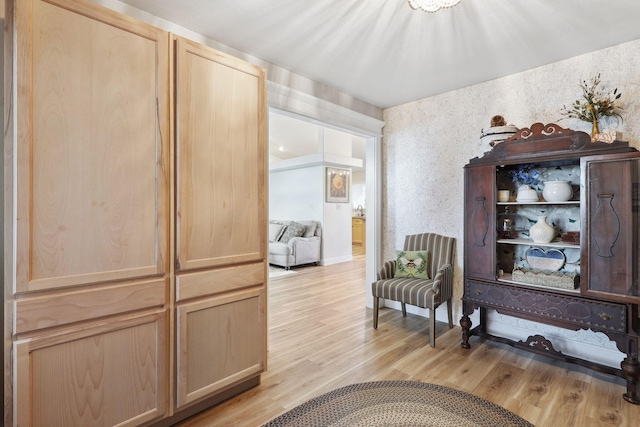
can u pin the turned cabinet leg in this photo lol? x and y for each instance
(465, 322)
(631, 368)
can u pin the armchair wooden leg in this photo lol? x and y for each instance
(432, 327)
(376, 302)
(404, 309)
(450, 312)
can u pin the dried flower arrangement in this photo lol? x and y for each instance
(595, 103)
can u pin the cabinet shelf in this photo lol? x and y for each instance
(528, 242)
(570, 202)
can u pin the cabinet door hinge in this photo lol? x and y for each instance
(177, 263)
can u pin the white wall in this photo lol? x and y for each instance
(426, 144)
(337, 246)
(358, 190)
(297, 194)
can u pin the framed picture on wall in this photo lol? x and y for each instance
(338, 185)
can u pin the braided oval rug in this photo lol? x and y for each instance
(397, 403)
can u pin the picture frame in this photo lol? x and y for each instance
(337, 185)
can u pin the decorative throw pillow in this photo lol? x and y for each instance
(310, 231)
(275, 232)
(412, 264)
(294, 229)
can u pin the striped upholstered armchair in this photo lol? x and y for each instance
(424, 293)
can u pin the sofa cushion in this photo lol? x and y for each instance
(294, 229)
(310, 231)
(412, 264)
(279, 248)
(275, 232)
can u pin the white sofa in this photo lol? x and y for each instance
(293, 244)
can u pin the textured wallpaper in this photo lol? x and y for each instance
(426, 143)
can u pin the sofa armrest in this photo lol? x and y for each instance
(388, 270)
(295, 241)
(305, 249)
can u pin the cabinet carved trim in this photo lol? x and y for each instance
(540, 343)
(538, 129)
(480, 217)
(605, 236)
(576, 311)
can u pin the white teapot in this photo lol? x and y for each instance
(557, 191)
(526, 194)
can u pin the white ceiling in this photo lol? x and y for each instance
(290, 136)
(387, 54)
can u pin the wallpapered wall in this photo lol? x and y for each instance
(426, 143)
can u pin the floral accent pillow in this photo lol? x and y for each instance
(412, 264)
(294, 229)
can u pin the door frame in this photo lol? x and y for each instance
(307, 106)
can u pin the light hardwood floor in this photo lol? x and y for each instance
(321, 338)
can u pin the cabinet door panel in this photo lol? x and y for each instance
(106, 375)
(221, 158)
(480, 226)
(92, 146)
(215, 281)
(221, 342)
(48, 311)
(612, 238)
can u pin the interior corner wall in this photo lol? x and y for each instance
(426, 143)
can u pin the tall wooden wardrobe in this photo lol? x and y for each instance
(135, 218)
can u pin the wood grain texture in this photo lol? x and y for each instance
(321, 337)
(221, 160)
(611, 208)
(221, 343)
(92, 146)
(50, 311)
(105, 375)
(215, 281)
(9, 134)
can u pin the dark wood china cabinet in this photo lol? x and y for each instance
(587, 276)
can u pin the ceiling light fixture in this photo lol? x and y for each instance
(432, 5)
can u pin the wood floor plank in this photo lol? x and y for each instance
(321, 337)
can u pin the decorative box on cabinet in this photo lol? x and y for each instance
(603, 211)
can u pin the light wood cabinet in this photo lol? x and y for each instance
(135, 274)
(358, 231)
(220, 220)
(86, 293)
(110, 373)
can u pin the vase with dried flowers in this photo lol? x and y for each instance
(595, 104)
